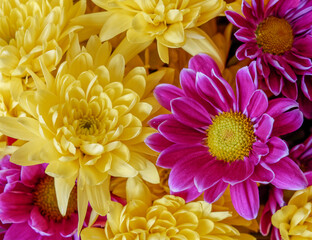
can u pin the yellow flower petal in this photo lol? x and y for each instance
(63, 188)
(92, 234)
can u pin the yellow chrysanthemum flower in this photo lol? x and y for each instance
(294, 220)
(32, 31)
(86, 123)
(173, 23)
(167, 218)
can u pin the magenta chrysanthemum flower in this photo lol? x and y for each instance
(277, 37)
(213, 139)
(274, 203)
(28, 203)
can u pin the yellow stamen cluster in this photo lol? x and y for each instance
(45, 199)
(230, 137)
(275, 35)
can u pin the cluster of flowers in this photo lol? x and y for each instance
(155, 119)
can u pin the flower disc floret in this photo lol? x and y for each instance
(230, 136)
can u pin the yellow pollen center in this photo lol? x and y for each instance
(45, 199)
(230, 136)
(274, 35)
(87, 126)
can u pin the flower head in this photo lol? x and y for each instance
(168, 217)
(28, 203)
(276, 36)
(294, 219)
(213, 139)
(87, 124)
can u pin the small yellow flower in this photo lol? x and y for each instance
(166, 218)
(32, 31)
(88, 124)
(294, 220)
(172, 23)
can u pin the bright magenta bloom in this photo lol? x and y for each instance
(278, 38)
(28, 203)
(213, 139)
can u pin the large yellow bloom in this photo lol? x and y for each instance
(173, 23)
(167, 218)
(86, 123)
(294, 220)
(32, 31)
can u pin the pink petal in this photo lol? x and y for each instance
(238, 171)
(189, 194)
(189, 112)
(277, 150)
(205, 64)
(170, 156)
(290, 90)
(238, 20)
(264, 126)
(164, 93)
(176, 132)
(215, 170)
(288, 175)
(39, 223)
(262, 174)
(287, 122)
(157, 142)
(260, 148)
(21, 231)
(306, 86)
(244, 87)
(182, 174)
(257, 105)
(245, 198)
(156, 121)
(31, 174)
(217, 91)
(215, 192)
(265, 220)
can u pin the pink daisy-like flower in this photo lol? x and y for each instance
(213, 139)
(274, 203)
(305, 94)
(28, 203)
(278, 38)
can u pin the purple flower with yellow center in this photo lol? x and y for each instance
(213, 139)
(277, 37)
(28, 203)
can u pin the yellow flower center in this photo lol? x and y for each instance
(87, 126)
(230, 137)
(275, 35)
(45, 199)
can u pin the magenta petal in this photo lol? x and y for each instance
(31, 174)
(306, 86)
(15, 206)
(205, 64)
(287, 122)
(211, 172)
(257, 105)
(39, 223)
(188, 195)
(238, 20)
(245, 87)
(262, 174)
(280, 105)
(260, 148)
(265, 220)
(303, 46)
(288, 175)
(157, 142)
(277, 150)
(290, 90)
(170, 156)
(264, 126)
(21, 231)
(164, 93)
(68, 227)
(182, 174)
(238, 171)
(189, 112)
(156, 121)
(215, 192)
(176, 132)
(245, 198)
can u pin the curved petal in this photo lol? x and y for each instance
(287, 122)
(205, 64)
(244, 87)
(262, 174)
(182, 174)
(257, 104)
(278, 149)
(39, 223)
(189, 112)
(157, 142)
(30, 174)
(213, 193)
(264, 127)
(188, 195)
(156, 121)
(245, 198)
(238, 171)
(288, 175)
(164, 93)
(21, 231)
(218, 92)
(238, 20)
(170, 156)
(176, 132)
(210, 173)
